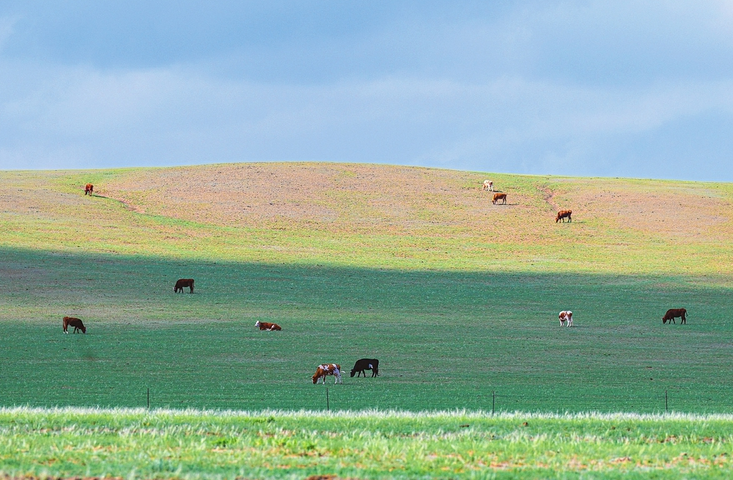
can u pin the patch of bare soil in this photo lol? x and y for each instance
(338, 195)
(665, 210)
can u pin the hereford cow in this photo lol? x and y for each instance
(365, 364)
(488, 185)
(499, 196)
(563, 214)
(88, 189)
(182, 283)
(566, 316)
(328, 369)
(675, 312)
(267, 326)
(74, 322)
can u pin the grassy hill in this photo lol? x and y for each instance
(457, 297)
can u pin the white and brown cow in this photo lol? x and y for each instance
(566, 318)
(488, 185)
(326, 369)
(267, 326)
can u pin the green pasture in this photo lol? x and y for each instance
(457, 298)
(445, 339)
(192, 444)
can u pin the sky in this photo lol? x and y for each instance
(637, 88)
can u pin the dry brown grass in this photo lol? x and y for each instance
(376, 214)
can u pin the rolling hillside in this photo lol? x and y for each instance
(375, 216)
(457, 297)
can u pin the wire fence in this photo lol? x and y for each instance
(334, 397)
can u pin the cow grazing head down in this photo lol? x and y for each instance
(566, 318)
(182, 283)
(675, 312)
(326, 369)
(563, 214)
(499, 196)
(73, 322)
(88, 189)
(365, 364)
(267, 326)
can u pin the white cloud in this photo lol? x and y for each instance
(562, 87)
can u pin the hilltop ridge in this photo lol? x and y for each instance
(374, 215)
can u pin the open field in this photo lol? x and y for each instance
(201, 444)
(458, 298)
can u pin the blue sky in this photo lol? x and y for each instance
(586, 88)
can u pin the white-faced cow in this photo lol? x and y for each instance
(566, 318)
(267, 326)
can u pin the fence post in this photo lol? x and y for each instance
(493, 402)
(148, 398)
(328, 405)
(666, 402)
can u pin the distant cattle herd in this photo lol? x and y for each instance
(333, 369)
(500, 198)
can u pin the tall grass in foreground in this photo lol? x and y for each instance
(136, 443)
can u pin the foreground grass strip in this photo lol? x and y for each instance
(136, 443)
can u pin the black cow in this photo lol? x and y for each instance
(366, 364)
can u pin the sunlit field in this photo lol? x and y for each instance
(456, 297)
(273, 444)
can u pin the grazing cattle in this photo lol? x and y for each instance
(328, 369)
(74, 322)
(563, 214)
(88, 189)
(566, 316)
(675, 312)
(182, 283)
(365, 364)
(267, 326)
(499, 196)
(488, 185)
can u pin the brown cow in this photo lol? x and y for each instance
(327, 369)
(675, 312)
(499, 196)
(267, 326)
(183, 282)
(88, 189)
(74, 322)
(563, 214)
